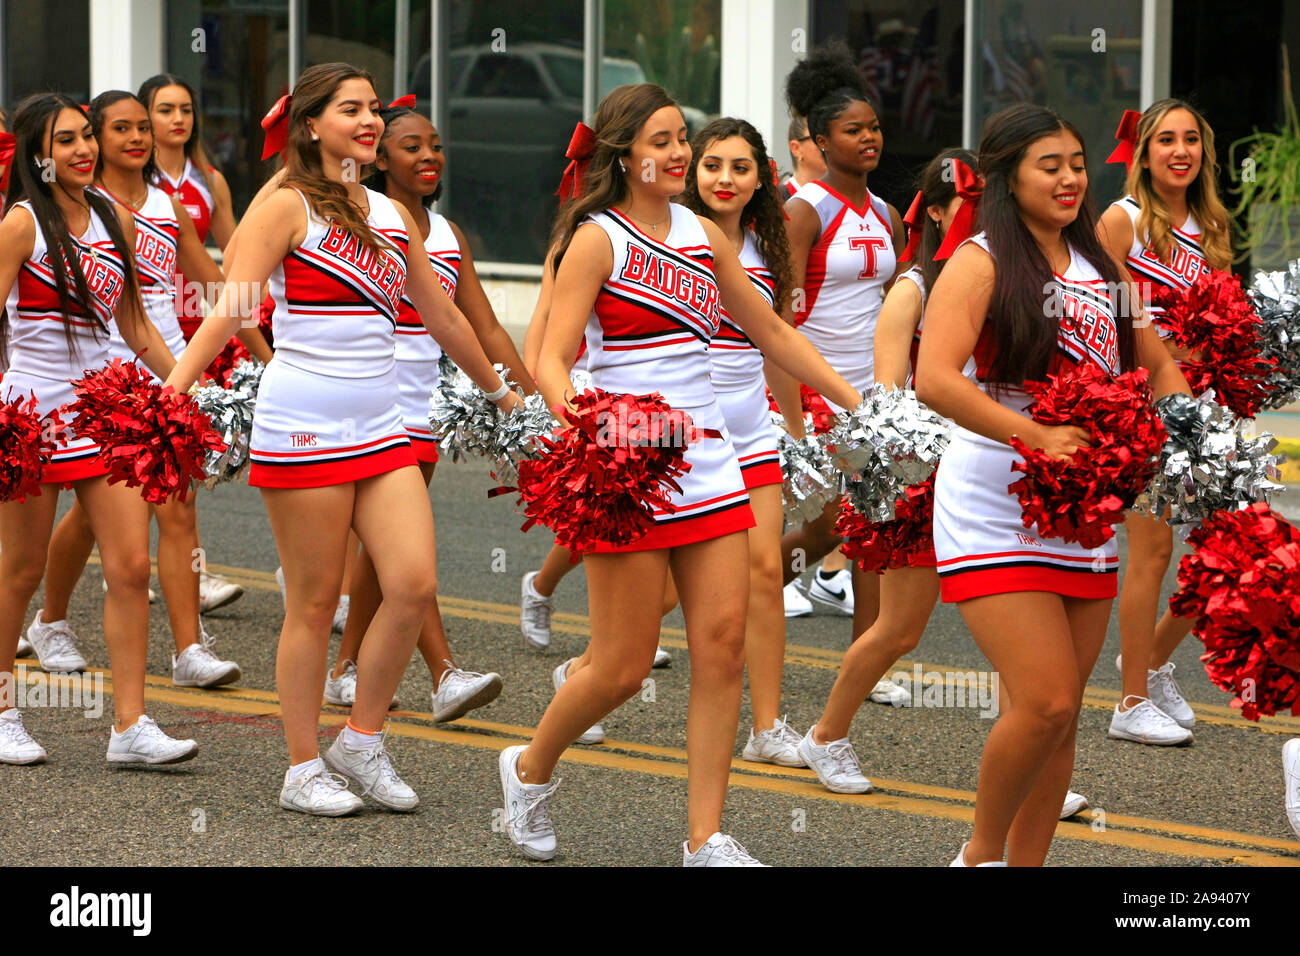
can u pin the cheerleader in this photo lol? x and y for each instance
(409, 171)
(728, 182)
(642, 276)
(184, 170)
(166, 243)
(328, 447)
(61, 304)
(809, 166)
(1037, 607)
(1171, 228)
(844, 244)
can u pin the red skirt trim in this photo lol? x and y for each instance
(673, 534)
(320, 474)
(958, 586)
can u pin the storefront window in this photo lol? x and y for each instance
(240, 72)
(911, 55)
(46, 47)
(359, 32)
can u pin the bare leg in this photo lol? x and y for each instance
(765, 616)
(70, 548)
(24, 537)
(1150, 547)
(179, 566)
(553, 570)
(804, 545)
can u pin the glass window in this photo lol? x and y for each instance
(669, 43)
(241, 71)
(912, 57)
(1030, 53)
(46, 47)
(359, 32)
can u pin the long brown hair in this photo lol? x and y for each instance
(938, 187)
(194, 151)
(328, 199)
(763, 213)
(1155, 227)
(1023, 325)
(618, 122)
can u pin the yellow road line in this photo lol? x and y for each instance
(896, 795)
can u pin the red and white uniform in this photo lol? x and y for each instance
(195, 197)
(649, 331)
(417, 351)
(1186, 259)
(844, 282)
(980, 540)
(325, 411)
(157, 235)
(739, 384)
(788, 188)
(40, 362)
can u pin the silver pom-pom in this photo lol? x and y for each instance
(471, 425)
(810, 480)
(1207, 464)
(885, 445)
(231, 410)
(1276, 296)
(581, 380)
(512, 441)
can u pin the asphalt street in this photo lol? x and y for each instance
(1216, 802)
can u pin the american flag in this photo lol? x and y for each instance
(918, 95)
(874, 67)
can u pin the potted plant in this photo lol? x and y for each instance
(1267, 180)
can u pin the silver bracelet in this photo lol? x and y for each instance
(499, 394)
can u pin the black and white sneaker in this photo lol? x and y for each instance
(835, 591)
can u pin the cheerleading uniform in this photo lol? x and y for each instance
(195, 197)
(737, 371)
(157, 235)
(325, 411)
(417, 351)
(844, 282)
(39, 360)
(649, 331)
(1186, 260)
(982, 545)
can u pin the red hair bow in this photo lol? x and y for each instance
(276, 124)
(969, 187)
(7, 146)
(1127, 134)
(915, 222)
(581, 143)
(407, 102)
(776, 184)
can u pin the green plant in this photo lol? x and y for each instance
(1268, 178)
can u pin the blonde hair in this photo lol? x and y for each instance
(1155, 226)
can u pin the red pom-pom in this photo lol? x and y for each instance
(602, 479)
(226, 360)
(1082, 498)
(1242, 584)
(905, 542)
(812, 404)
(1215, 319)
(149, 436)
(26, 443)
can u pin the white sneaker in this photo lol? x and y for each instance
(144, 742)
(54, 645)
(215, 591)
(1147, 724)
(796, 605)
(887, 692)
(835, 764)
(662, 657)
(779, 745)
(199, 666)
(1291, 772)
(718, 850)
(528, 808)
(1164, 693)
(1074, 803)
(836, 593)
(321, 794)
(534, 614)
(460, 691)
(153, 596)
(341, 614)
(961, 858)
(284, 594)
(372, 769)
(596, 733)
(342, 690)
(16, 744)
(25, 648)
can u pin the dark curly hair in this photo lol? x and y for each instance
(763, 213)
(822, 85)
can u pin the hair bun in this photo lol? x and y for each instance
(826, 69)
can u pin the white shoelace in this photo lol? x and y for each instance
(784, 734)
(845, 757)
(1164, 680)
(14, 732)
(729, 849)
(58, 640)
(453, 675)
(379, 756)
(323, 778)
(538, 611)
(535, 817)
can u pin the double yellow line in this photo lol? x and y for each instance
(899, 796)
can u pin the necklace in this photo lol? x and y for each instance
(654, 226)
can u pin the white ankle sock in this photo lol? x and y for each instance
(300, 770)
(356, 740)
